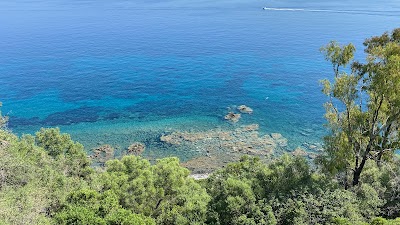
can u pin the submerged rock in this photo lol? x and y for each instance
(299, 152)
(276, 136)
(245, 109)
(217, 147)
(251, 127)
(172, 139)
(136, 148)
(233, 117)
(203, 165)
(314, 147)
(279, 139)
(102, 153)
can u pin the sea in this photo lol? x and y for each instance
(123, 71)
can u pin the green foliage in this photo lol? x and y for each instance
(32, 184)
(69, 154)
(389, 180)
(53, 141)
(362, 131)
(43, 181)
(285, 191)
(382, 221)
(125, 217)
(79, 215)
(133, 188)
(338, 55)
(87, 206)
(235, 203)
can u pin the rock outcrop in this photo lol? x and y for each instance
(245, 109)
(102, 153)
(218, 147)
(233, 117)
(136, 148)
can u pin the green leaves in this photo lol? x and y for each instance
(162, 191)
(37, 188)
(363, 111)
(53, 141)
(340, 56)
(284, 191)
(70, 155)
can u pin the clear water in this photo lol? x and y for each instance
(119, 71)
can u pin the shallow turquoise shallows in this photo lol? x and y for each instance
(119, 71)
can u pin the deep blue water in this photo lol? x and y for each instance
(118, 71)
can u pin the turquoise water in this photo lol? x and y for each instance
(118, 71)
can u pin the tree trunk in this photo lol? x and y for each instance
(358, 170)
(356, 177)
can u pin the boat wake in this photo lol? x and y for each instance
(335, 11)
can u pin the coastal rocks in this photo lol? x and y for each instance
(176, 138)
(172, 139)
(136, 148)
(314, 147)
(251, 127)
(299, 152)
(276, 136)
(102, 153)
(218, 147)
(245, 109)
(233, 117)
(203, 165)
(279, 139)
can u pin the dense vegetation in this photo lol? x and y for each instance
(47, 178)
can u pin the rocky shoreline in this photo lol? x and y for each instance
(214, 148)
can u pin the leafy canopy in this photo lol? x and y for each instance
(363, 111)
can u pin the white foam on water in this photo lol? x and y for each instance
(283, 9)
(324, 10)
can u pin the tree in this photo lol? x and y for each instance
(86, 206)
(285, 191)
(163, 191)
(69, 155)
(363, 111)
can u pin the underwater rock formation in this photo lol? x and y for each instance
(315, 147)
(233, 117)
(245, 139)
(218, 147)
(279, 139)
(299, 152)
(102, 153)
(245, 109)
(307, 150)
(203, 165)
(136, 148)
